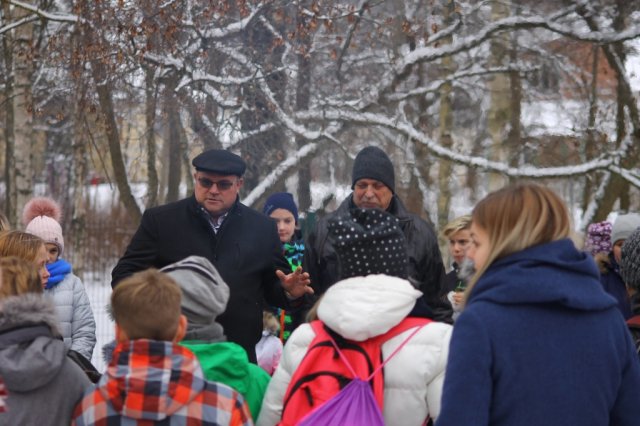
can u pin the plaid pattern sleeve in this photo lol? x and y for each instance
(153, 382)
(225, 405)
(216, 405)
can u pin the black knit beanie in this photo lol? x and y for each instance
(373, 163)
(369, 241)
(281, 200)
(630, 260)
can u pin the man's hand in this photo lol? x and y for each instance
(296, 284)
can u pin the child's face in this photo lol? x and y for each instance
(286, 224)
(52, 252)
(41, 264)
(617, 250)
(458, 244)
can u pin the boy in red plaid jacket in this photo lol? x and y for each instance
(151, 379)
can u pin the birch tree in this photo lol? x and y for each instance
(19, 135)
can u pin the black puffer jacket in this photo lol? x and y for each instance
(426, 268)
(246, 251)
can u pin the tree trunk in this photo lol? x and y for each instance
(19, 134)
(103, 87)
(303, 93)
(415, 199)
(514, 135)
(11, 196)
(590, 144)
(150, 119)
(173, 139)
(498, 115)
(104, 90)
(78, 229)
(445, 169)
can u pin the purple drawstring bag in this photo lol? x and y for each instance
(355, 404)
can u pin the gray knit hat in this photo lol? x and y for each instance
(630, 261)
(624, 225)
(373, 163)
(204, 292)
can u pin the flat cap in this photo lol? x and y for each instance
(219, 161)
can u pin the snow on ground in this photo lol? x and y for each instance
(99, 292)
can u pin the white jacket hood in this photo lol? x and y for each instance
(359, 308)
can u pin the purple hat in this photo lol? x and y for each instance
(598, 238)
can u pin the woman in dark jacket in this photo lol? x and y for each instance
(539, 341)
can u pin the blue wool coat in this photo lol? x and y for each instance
(540, 342)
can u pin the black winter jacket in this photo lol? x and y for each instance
(426, 269)
(246, 251)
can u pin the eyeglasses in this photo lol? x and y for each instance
(222, 185)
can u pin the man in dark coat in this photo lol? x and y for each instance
(373, 183)
(241, 243)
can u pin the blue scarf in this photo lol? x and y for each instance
(58, 270)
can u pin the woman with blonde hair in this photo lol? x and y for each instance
(18, 276)
(42, 383)
(539, 341)
(27, 247)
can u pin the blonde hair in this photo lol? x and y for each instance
(146, 305)
(21, 244)
(456, 225)
(18, 276)
(270, 322)
(517, 217)
(312, 314)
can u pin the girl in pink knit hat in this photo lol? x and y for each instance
(41, 215)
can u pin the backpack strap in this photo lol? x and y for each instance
(404, 325)
(404, 342)
(342, 357)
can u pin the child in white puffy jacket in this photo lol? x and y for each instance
(41, 216)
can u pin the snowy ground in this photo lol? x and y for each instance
(99, 292)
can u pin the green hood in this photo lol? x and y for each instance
(227, 363)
